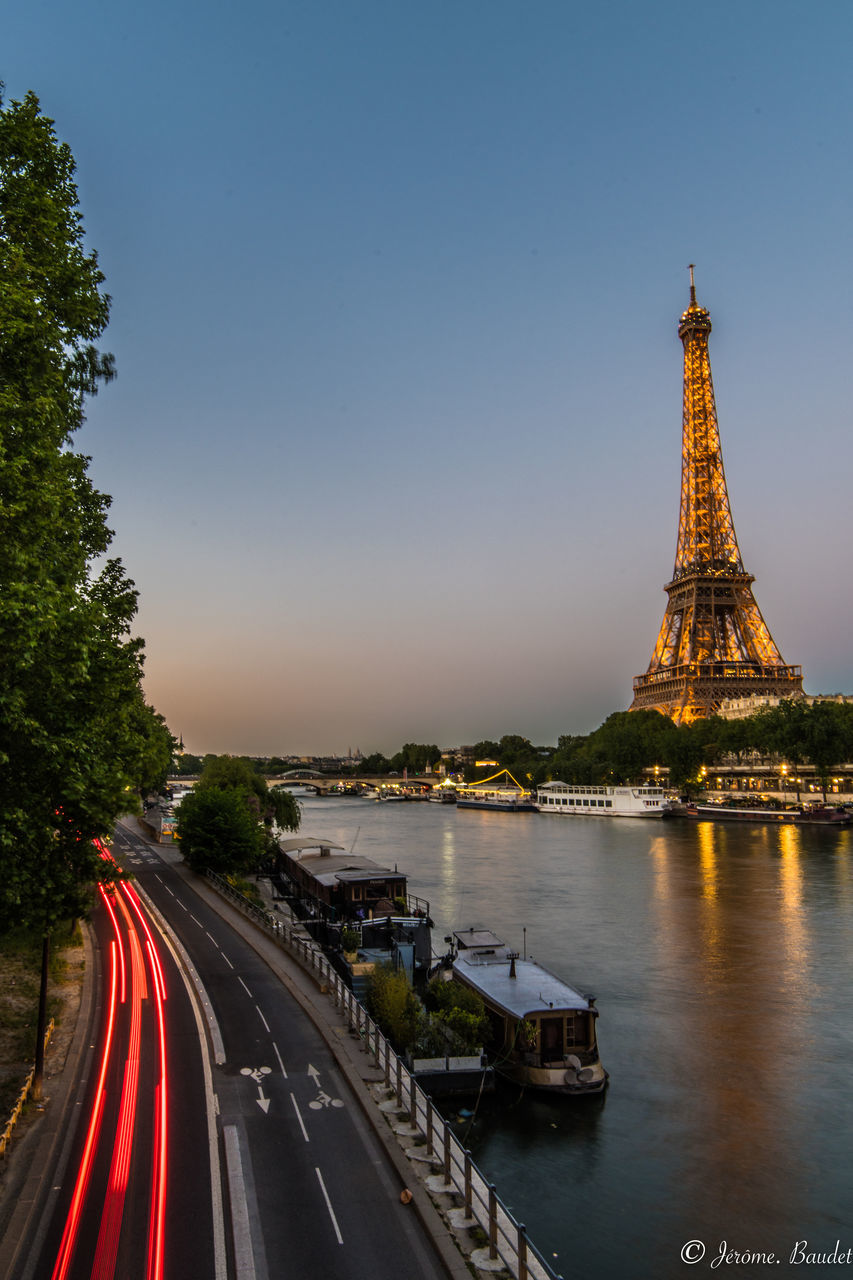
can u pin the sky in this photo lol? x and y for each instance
(394, 445)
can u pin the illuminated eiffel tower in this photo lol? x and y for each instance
(713, 642)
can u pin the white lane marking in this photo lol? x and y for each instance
(244, 1258)
(245, 988)
(280, 1063)
(181, 904)
(199, 1002)
(299, 1118)
(329, 1206)
(198, 922)
(212, 939)
(263, 1019)
(225, 958)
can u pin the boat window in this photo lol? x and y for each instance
(608, 804)
(576, 1032)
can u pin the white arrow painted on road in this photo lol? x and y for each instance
(262, 1100)
(314, 1073)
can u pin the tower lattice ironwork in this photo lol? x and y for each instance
(713, 643)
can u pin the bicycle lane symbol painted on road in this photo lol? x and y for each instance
(323, 1099)
(257, 1074)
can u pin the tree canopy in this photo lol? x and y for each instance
(225, 824)
(76, 736)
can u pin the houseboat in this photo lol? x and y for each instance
(500, 791)
(543, 1031)
(331, 889)
(604, 802)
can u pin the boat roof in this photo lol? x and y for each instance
(485, 963)
(307, 842)
(609, 788)
(328, 867)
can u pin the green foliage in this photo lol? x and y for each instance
(75, 735)
(393, 1004)
(375, 765)
(274, 805)
(528, 764)
(460, 1010)
(185, 766)
(628, 744)
(232, 834)
(349, 940)
(218, 831)
(415, 757)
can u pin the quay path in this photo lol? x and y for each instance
(310, 1175)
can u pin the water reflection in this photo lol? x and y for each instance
(720, 956)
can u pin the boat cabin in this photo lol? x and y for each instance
(339, 884)
(544, 1030)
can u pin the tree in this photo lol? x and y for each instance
(825, 739)
(684, 758)
(394, 1005)
(417, 757)
(207, 839)
(155, 746)
(72, 722)
(273, 805)
(219, 832)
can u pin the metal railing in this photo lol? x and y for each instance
(6, 1136)
(506, 1239)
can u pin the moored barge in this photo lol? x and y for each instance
(543, 1030)
(808, 815)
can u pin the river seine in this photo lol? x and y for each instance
(721, 959)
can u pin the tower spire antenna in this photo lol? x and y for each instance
(690, 267)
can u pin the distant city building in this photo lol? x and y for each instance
(740, 708)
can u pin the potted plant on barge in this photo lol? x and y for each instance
(349, 943)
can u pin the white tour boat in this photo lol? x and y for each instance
(569, 800)
(543, 1031)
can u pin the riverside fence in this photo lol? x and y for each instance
(6, 1136)
(507, 1243)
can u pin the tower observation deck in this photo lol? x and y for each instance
(713, 643)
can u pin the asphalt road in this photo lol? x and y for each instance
(306, 1189)
(124, 1186)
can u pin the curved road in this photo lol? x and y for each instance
(270, 1167)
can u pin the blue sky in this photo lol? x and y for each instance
(394, 446)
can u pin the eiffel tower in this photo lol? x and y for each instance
(713, 643)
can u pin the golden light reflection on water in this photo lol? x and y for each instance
(708, 859)
(448, 856)
(735, 929)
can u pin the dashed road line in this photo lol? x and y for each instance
(280, 1063)
(299, 1118)
(329, 1206)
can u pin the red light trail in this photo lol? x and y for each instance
(128, 1124)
